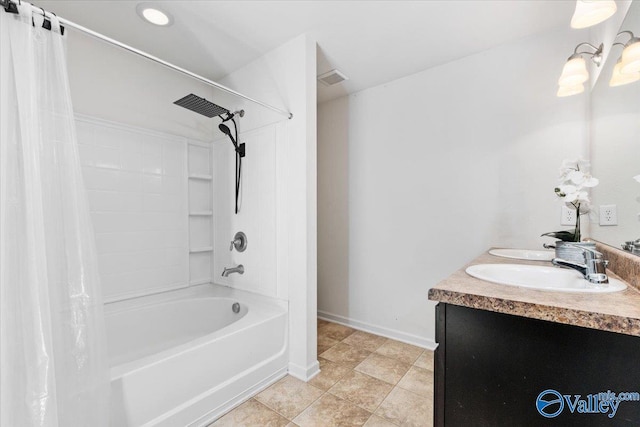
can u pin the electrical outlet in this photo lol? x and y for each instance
(608, 215)
(567, 216)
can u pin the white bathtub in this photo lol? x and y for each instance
(184, 358)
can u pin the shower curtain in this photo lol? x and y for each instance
(53, 367)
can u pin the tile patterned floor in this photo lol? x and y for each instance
(365, 380)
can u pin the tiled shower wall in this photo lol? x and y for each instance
(138, 189)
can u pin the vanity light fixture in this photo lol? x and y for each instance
(618, 78)
(574, 72)
(592, 12)
(153, 14)
(570, 90)
(630, 54)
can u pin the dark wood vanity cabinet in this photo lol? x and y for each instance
(491, 369)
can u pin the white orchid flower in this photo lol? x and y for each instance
(582, 179)
(563, 190)
(577, 177)
(576, 197)
(583, 197)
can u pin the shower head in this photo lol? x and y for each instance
(225, 129)
(201, 106)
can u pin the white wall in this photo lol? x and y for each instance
(257, 215)
(285, 78)
(441, 165)
(333, 212)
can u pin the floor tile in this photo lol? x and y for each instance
(322, 322)
(331, 411)
(325, 343)
(362, 390)
(376, 421)
(365, 340)
(383, 368)
(406, 353)
(425, 360)
(330, 373)
(405, 408)
(335, 331)
(289, 396)
(251, 413)
(344, 353)
(419, 381)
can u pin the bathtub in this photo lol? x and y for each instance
(183, 358)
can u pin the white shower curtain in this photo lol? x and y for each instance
(53, 367)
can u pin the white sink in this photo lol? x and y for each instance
(528, 254)
(540, 277)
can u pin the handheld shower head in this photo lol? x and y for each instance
(225, 129)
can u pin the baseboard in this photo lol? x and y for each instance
(304, 374)
(379, 330)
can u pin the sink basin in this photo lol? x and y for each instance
(541, 277)
(528, 254)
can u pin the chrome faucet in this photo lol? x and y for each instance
(594, 268)
(227, 271)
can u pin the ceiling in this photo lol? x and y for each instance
(372, 42)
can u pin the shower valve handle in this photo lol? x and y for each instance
(239, 242)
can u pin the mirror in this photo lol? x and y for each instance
(615, 146)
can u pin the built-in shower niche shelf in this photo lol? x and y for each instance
(198, 250)
(201, 177)
(201, 213)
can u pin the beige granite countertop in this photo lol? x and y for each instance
(614, 312)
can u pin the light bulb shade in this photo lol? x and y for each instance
(631, 58)
(574, 72)
(592, 12)
(619, 79)
(570, 90)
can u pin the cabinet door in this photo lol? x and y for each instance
(495, 366)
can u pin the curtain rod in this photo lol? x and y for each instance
(9, 6)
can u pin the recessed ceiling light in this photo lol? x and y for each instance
(153, 14)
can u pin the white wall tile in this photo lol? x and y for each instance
(200, 266)
(199, 160)
(100, 179)
(136, 185)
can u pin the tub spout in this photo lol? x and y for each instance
(227, 271)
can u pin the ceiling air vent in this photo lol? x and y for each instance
(332, 77)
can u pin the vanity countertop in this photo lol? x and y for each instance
(615, 312)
